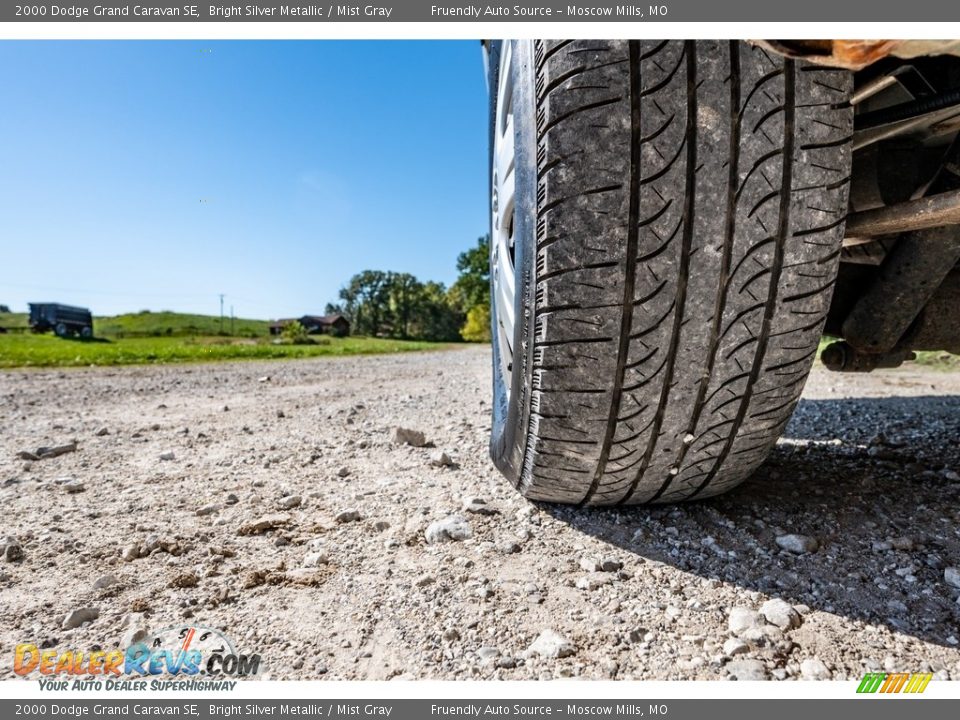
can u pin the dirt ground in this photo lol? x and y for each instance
(270, 500)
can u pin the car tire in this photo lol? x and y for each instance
(674, 236)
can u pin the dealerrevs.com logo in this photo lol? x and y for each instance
(186, 657)
(910, 683)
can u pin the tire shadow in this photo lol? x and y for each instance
(884, 509)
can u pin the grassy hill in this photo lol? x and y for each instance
(171, 324)
(158, 324)
(13, 320)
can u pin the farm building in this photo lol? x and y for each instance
(336, 325)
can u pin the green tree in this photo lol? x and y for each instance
(470, 294)
(366, 302)
(472, 287)
(477, 326)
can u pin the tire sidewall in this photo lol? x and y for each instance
(511, 411)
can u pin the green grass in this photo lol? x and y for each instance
(28, 350)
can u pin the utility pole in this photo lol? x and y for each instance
(221, 313)
(231, 321)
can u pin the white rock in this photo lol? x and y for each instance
(589, 564)
(440, 459)
(131, 552)
(105, 581)
(167, 455)
(735, 646)
(952, 576)
(289, 502)
(76, 618)
(594, 581)
(799, 544)
(347, 516)
(551, 644)
(74, 486)
(747, 670)
(814, 669)
(742, 619)
(315, 559)
(451, 528)
(780, 613)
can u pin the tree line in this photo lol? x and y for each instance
(397, 305)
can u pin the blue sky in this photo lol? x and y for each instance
(157, 175)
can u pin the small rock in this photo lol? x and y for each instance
(184, 580)
(102, 431)
(44, 453)
(76, 618)
(343, 472)
(745, 670)
(902, 543)
(72, 486)
(735, 646)
(130, 553)
(814, 669)
(315, 559)
(264, 379)
(551, 644)
(487, 654)
(261, 525)
(424, 580)
(289, 502)
(798, 544)
(951, 576)
(440, 459)
(405, 436)
(305, 576)
(105, 581)
(347, 516)
(477, 506)
(231, 499)
(168, 455)
(508, 547)
(134, 635)
(780, 613)
(207, 510)
(589, 564)
(12, 550)
(451, 528)
(594, 581)
(742, 619)
(611, 565)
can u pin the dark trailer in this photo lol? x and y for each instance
(64, 320)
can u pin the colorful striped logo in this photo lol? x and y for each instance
(894, 682)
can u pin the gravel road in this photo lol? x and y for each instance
(273, 500)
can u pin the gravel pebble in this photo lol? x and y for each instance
(76, 618)
(551, 644)
(798, 544)
(780, 613)
(406, 436)
(747, 670)
(453, 527)
(741, 619)
(814, 669)
(951, 576)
